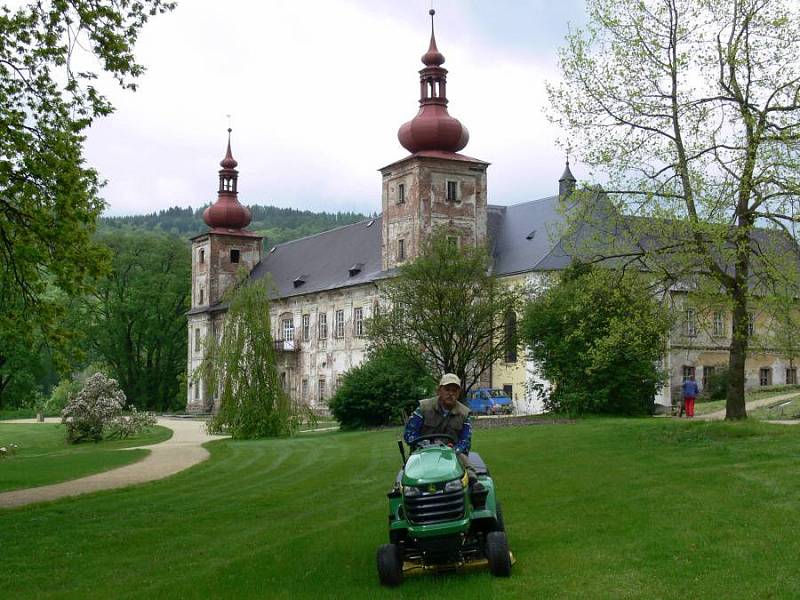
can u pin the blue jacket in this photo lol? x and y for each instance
(690, 388)
(429, 418)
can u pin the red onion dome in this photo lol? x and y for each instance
(433, 129)
(227, 213)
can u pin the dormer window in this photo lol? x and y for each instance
(355, 269)
(299, 280)
(234, 256)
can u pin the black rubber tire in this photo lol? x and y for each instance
(499, 525)
(497, 554)
(390, 565)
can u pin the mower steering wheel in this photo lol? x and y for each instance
(449, 439)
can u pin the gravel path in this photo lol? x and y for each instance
(720, 414)
(183, 450)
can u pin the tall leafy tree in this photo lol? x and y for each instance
(136, 316)
(597, 336)
(49, 196)
(448, 308)
(690, 111)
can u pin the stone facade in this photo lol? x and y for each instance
(218, 259)
(422, 193)
(319, 337)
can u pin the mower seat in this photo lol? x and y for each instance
(478, 464)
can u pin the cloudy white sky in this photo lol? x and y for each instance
(317, 90)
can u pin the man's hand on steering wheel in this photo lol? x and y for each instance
(446, 438)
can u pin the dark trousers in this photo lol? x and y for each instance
(464, 460)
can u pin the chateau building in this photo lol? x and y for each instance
(326, 285)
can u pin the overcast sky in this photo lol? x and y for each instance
(317, 90)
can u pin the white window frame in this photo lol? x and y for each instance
(719, 323)
(338, 324)
(690, 328)
(358, 321)
(322, 326)
(287, 328)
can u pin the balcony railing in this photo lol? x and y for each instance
(287, 346)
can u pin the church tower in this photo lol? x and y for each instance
(434, 186)
(218, 255)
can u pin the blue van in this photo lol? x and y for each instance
(488, 401)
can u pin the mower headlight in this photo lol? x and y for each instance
(410, 491)
(454, 486)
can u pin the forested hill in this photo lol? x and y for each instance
(277, 225)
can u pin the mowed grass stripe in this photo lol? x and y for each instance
(44, 457)
(600, 509)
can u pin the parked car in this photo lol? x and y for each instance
(488, 401)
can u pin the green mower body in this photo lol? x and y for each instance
(438, 521)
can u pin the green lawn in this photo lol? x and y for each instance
(788, 409)
(44, 456)
(704, 408)
(598, 509)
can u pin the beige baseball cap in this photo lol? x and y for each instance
(449, 378)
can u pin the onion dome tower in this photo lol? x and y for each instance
(434, 187)
(218, 257)
(433, 128)
(226, 212)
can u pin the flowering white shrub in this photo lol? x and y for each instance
(9, 450)
(90, 410)
(97, 408)
(133, 423)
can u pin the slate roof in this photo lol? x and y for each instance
(520, 237)
(523, 238)
(341, 257)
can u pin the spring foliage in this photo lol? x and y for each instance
(240, 362)
(598, 336)
(690, 112)
(383, 390)
(49, 196)
(96, 412)
(448, 308)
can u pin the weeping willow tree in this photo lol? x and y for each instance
(241, 364)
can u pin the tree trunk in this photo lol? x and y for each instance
(735, 406)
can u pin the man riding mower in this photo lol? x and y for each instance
(443, 512)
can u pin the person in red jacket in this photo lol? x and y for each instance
(690, 391)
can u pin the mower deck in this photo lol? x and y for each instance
(413, 568)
